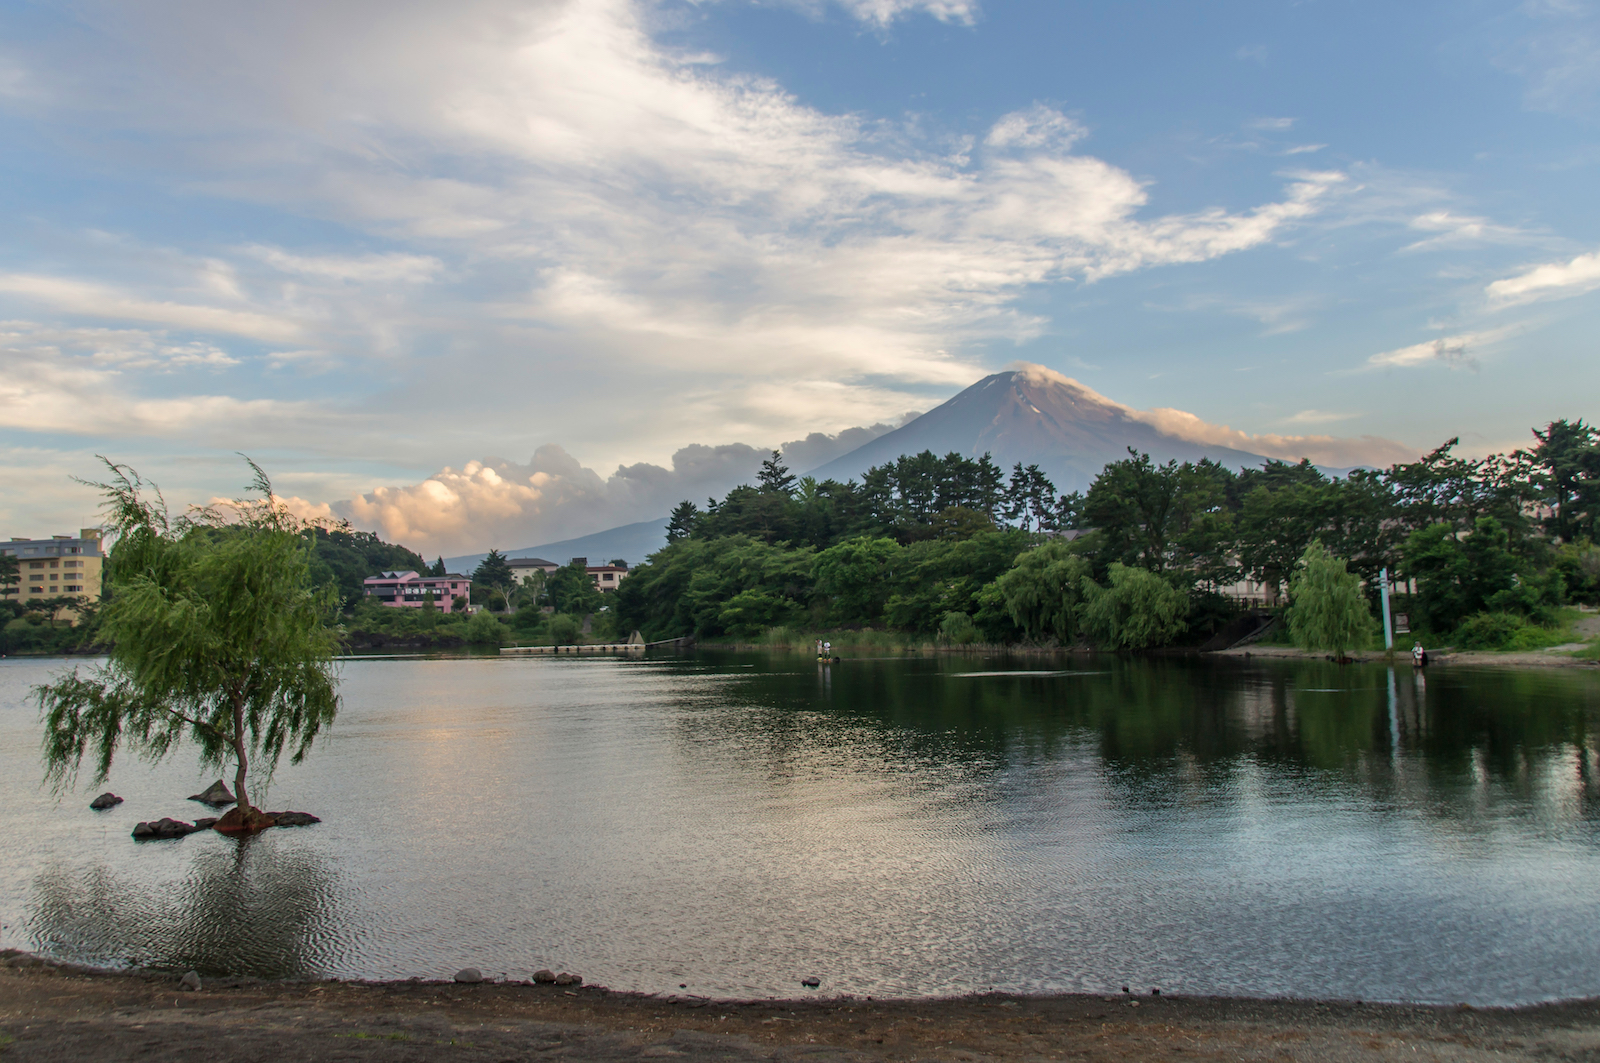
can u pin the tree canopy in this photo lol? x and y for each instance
(218, 637)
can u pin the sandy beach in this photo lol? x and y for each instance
(54, 1012)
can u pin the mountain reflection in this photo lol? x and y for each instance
(254, 907)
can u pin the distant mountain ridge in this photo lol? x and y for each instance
(631, 542)
(1036, 417)
(1031, 415)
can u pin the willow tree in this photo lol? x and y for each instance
(1326, 609)
(218, 638)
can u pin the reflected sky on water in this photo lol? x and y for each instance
(895, 827)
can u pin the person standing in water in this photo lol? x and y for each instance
(1419, 656)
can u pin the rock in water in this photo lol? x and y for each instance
(469, 975)
(544, 977)
(216, 795)
(105, 801)
(293, 819)
(205, 823)
(163, 828)
(191, 982)
(811, 983)
(568, 979)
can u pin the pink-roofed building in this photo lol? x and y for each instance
(411, 590)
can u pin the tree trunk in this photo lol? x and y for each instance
(240, 756)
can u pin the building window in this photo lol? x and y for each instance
(36, 564)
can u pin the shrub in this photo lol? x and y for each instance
(484, 630)
(1138, 610)
(563, 629)
(958, 629)
(1504, 631)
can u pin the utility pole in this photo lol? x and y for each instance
(1388, 629)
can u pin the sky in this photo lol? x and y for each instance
(496, 273)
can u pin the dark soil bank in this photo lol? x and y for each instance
(55, 1012)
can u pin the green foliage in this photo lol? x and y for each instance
(856, 577)
(1488, 631)
(1578, 565)
(1138, 610)
(571, 589)
(681, 525)
(493, 581)
(563, 629)
(484, 629)
(752, 612)
(912, 541)
(1043, 592)
(957, 629)
(1568, 460)
(345, 558)
(1459, 575)
(937, 576)
(1327, 611)
(217, 638)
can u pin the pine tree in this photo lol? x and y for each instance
(775, 475)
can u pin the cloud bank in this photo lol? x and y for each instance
(543, 185)
(553, 496)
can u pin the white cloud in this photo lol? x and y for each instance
(1316, 417)
(883, 12)
(94, 382)
(390, 268)
(494, 502)
(95, 300)
(1454, 352)
(569, 174)
(1553, 280)
(1454, 231)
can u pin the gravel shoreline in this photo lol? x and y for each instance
(51, 1011)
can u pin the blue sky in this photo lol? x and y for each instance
(435, 265)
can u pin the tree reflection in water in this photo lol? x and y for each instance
(1153, 723)
(254, 906)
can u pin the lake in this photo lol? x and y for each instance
(732, 823)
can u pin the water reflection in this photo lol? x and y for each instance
(910, 826)
(249, 906)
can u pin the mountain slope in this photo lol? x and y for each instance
(1034, 416)
(631, 542)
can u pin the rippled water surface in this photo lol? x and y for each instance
(895, 827)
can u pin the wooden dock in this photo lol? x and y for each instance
(635, 646)
(594, 649)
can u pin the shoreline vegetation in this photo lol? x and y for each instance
(51, 1009)
(1490, 554)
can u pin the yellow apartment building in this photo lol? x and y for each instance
(62, 566)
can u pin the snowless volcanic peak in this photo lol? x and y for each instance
(1033, 415)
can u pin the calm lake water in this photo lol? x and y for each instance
(894, 827)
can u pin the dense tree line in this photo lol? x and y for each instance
(953, 547)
